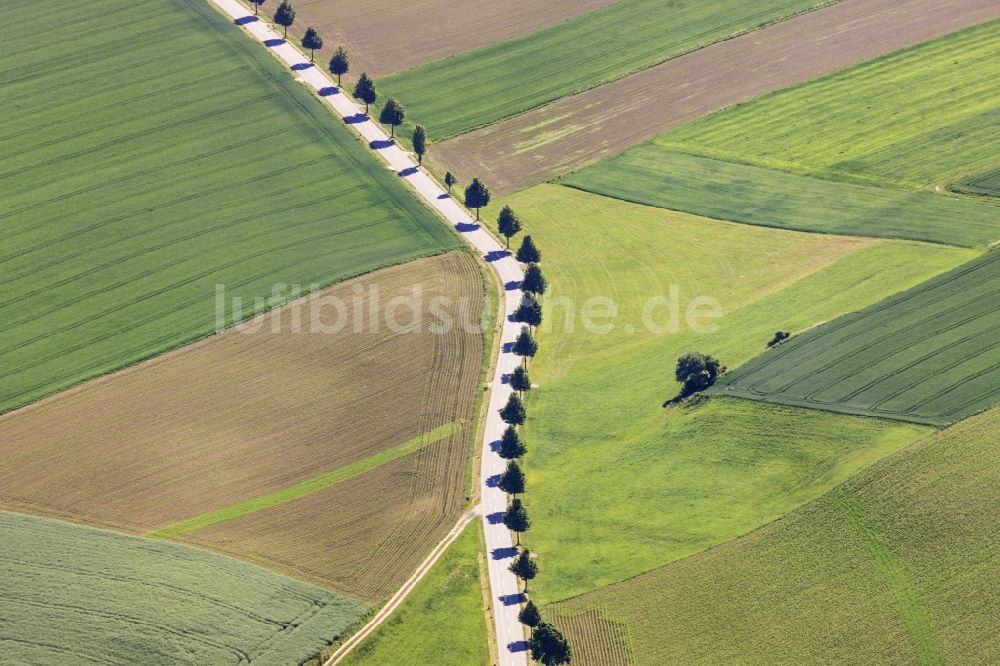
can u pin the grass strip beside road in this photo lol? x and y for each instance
(308, 486)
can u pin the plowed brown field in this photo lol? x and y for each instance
(385, 36)
(243, 414)
(554, 139)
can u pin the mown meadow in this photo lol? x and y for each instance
(618, 485)
(160, 155)
(898, 564)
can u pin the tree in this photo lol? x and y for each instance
(779, 337)
(529, 311)
(364, 90)
(534, 282)
(515, 518)
(519, 380)
(450, 180)
(528, 253)
(511, 445)
(696, 372)
(529, 615)
(393, 114)
(312, 41)
(285, 15)
(513, 413)
(477, 196)
(256, 5)
(340, 64)
(549, 646)
(512, 479)
(524, 567)
(420, 143)
(508, 223)
(525, 345)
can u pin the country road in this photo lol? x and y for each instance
(499, 544)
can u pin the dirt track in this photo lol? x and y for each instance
(386, 36)
(554, 139)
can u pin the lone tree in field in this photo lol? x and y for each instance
(529, 311)
(511, 445)
(512, 479)
(529, 615)
(524, 567)
(525, 345)
(450, 180)
(393, 114)
(364, 90)
(420, 143)
(312, 41)
(285, 15)
(779, 337)
(549, 646)
(534, 282)
(477, 196)
(513, 413)
(515, 518)
(340, 64)
(256, 5)
(508, 224)
(519, 380)
(528, 253)
(696, 372)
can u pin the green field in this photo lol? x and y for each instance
(923, 115)
(479, 87)
(442, 622)
(652, 175)
(71, 594)
(986, 183)
(899, 565)
(928, 355)
(652, 485)
(161, 154)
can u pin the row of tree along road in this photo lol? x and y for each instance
(548, 646)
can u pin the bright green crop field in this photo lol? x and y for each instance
(653, 485)
(923, 115)
(928, 355)
(479, 87)
(442, 622)
(899, 565)
(161, 154)
(71, 594)
(652, 175)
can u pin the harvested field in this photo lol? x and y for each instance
(652, 175)
(899, 564)
(929, 355)
(252, 411)
(162, 154)
(924, 115)
(385, 36)
(363, 536)
(483, 86)
(576, 130)
(72, 594)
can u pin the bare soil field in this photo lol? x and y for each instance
(248, 412)
(554, 139)
(384, 36)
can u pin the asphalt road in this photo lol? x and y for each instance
(499, 544)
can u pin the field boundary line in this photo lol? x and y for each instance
(307, 486)
(403, 592)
